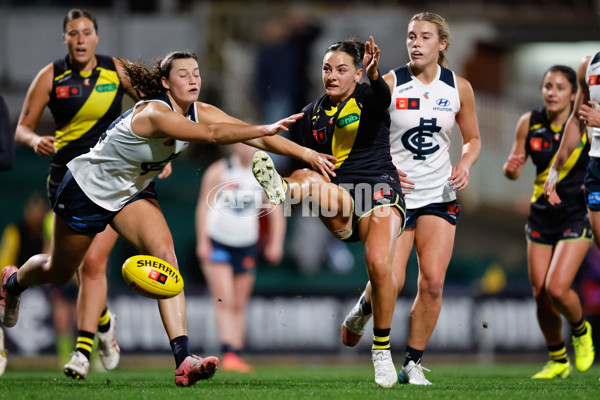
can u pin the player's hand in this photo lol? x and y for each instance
(459, 179)
(166, 172)
(322, 163)
(203, 249)
(282, 125)
(550, 187)
(406, 184)
(273, 253)
(44, 145)
(371, 59)
(590, 114)
(514, 162)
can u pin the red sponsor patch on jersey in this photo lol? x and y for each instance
(535, 144)
(593, 80)
(408, 103)
(62, 92)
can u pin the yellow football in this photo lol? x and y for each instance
(152, 277)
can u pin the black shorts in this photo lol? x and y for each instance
(592, 185)
(369, 196)
(242, 259)
(83, 215)
(449, 211)
(576, 229)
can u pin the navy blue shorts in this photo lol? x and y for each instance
(83, 215)
(243, 259)
(592, 184)
(449, 211)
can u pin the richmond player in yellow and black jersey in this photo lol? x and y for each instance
(558, 230)
(364, 200)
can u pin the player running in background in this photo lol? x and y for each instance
(558, 236)
(427, 99)
(83, 91)
(227, 229)
(112, 184)
(364, 200)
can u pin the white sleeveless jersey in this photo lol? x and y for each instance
(232, 217)
(122, 164)
(422, 120)
(592, 77)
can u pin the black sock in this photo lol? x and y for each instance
(412, 355)
(85, 342)
(578, 328)
(181, 349)
(558, 352)
(227, 348)
(13, 286)
(381, 339)
(104, 322)
(365, 307)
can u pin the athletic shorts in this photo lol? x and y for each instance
(449, 211)
(368, 197)
(242, 259)
(577, 229)
(592, 184)
(83, 215)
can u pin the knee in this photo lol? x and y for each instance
(166, 252)
(308, 176)
(93, 266)
(378, 269)
(557, 292)
(431, 286)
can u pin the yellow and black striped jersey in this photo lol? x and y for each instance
(543, 140)
(83, 105)
(357, 132)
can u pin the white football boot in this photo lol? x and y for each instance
(385, 372)
(412, 374)
(353, 327)
(265, 173)
(78, 367)
(108, 349)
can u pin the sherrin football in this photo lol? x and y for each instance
(152, 277)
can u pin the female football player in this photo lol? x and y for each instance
(364, 200)
(427, 99)
(227, 245)
(112, 184)
(83, 91)
(558, 236)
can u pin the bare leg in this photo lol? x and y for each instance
(92, 281)
(434, 253)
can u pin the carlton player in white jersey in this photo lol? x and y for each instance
(585, 114)
(133, 150)
(227, 228)
(427, 99)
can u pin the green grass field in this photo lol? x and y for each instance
(278, 383)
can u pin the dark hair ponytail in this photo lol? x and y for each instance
(352, 47)
(146, 83)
